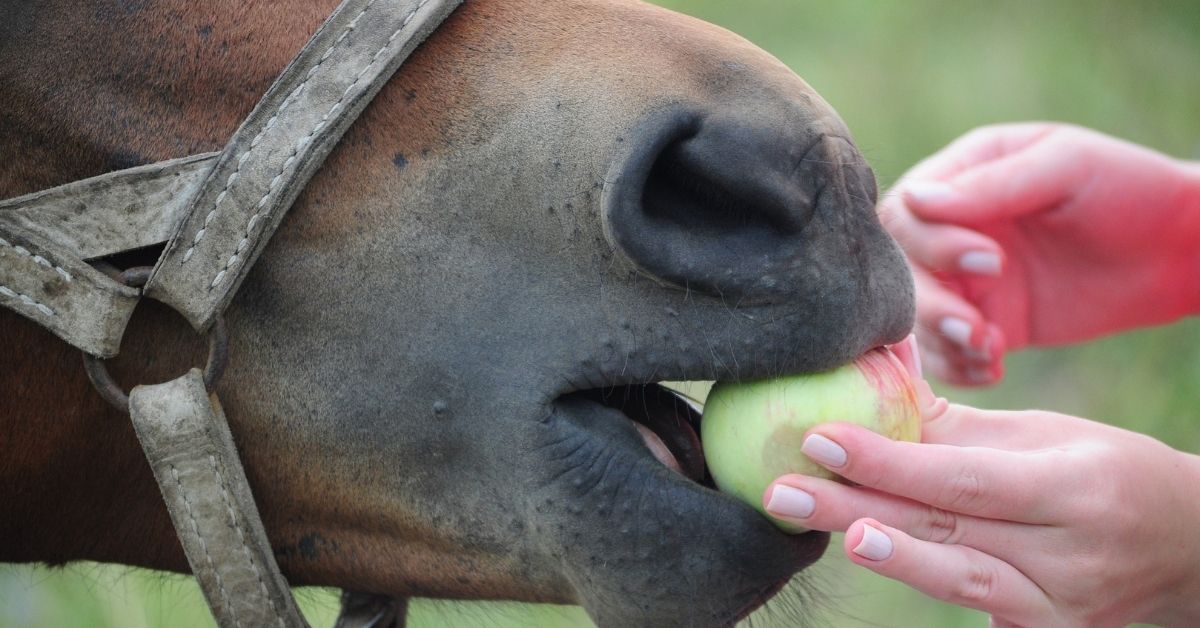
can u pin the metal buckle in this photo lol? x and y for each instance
(218, 351)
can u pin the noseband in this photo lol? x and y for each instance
(216, 213)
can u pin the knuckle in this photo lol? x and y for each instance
(964, 492)
(941, 526)
(1100, 491)
(975, 587)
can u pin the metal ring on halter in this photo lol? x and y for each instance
(111, 391)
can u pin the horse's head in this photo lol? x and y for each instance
(549, 199)
(438, 358)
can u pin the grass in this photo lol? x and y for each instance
(907, 77)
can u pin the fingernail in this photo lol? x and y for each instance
(980, 263)
(824, 451)
(930, 192)
(875, 545)
(956, 329)
(787, 501)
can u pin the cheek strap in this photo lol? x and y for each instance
(186, 438)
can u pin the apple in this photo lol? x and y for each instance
(752, 430)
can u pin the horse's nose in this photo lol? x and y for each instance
(733, 207)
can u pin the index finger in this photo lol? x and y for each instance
(979, 481)
(979, 146)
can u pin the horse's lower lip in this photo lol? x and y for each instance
(667, 422)
(666, 522)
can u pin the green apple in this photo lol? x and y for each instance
(752, 430)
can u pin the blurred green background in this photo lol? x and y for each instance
(908, 77)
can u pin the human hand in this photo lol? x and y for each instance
(1043, 234)
(1038, 518)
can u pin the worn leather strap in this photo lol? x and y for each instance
(53, 288)
(115, 212)
(45, 236)
(279, 147)
(186, 438)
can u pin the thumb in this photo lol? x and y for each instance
(1029, 181)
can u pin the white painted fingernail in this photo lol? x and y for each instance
(956, 329)
(787, 501)
(824, 451)
(980, 263)
(875, 545)
(930, 192)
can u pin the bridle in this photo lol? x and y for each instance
(216, 213)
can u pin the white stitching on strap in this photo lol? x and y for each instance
(242, 537)
(27, 300)
(37, 258)
(204, 547)
(270, 123)
(245, 241)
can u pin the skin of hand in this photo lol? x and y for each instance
(1038, 518)
(1043, 234)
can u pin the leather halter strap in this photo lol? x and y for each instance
(46, 236)
(219, 212)
(279, 147)
(187, 440)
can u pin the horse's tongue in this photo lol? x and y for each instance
(658, 448)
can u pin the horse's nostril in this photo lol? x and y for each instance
(694, 190)
(719, 204)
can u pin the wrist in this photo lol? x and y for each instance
(1178, 604)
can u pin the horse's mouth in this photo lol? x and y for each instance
(748, 560)
(759, 560)
(667, 421)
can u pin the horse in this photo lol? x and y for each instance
(445, 368)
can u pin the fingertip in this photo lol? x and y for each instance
(869, 542)
(936, 202)
(788, 503)
(982, 262)
(921, 194)
(963, 328)
(788, 480)
(823, 449)
(946, 247)
(934, 409)
(854, 535)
